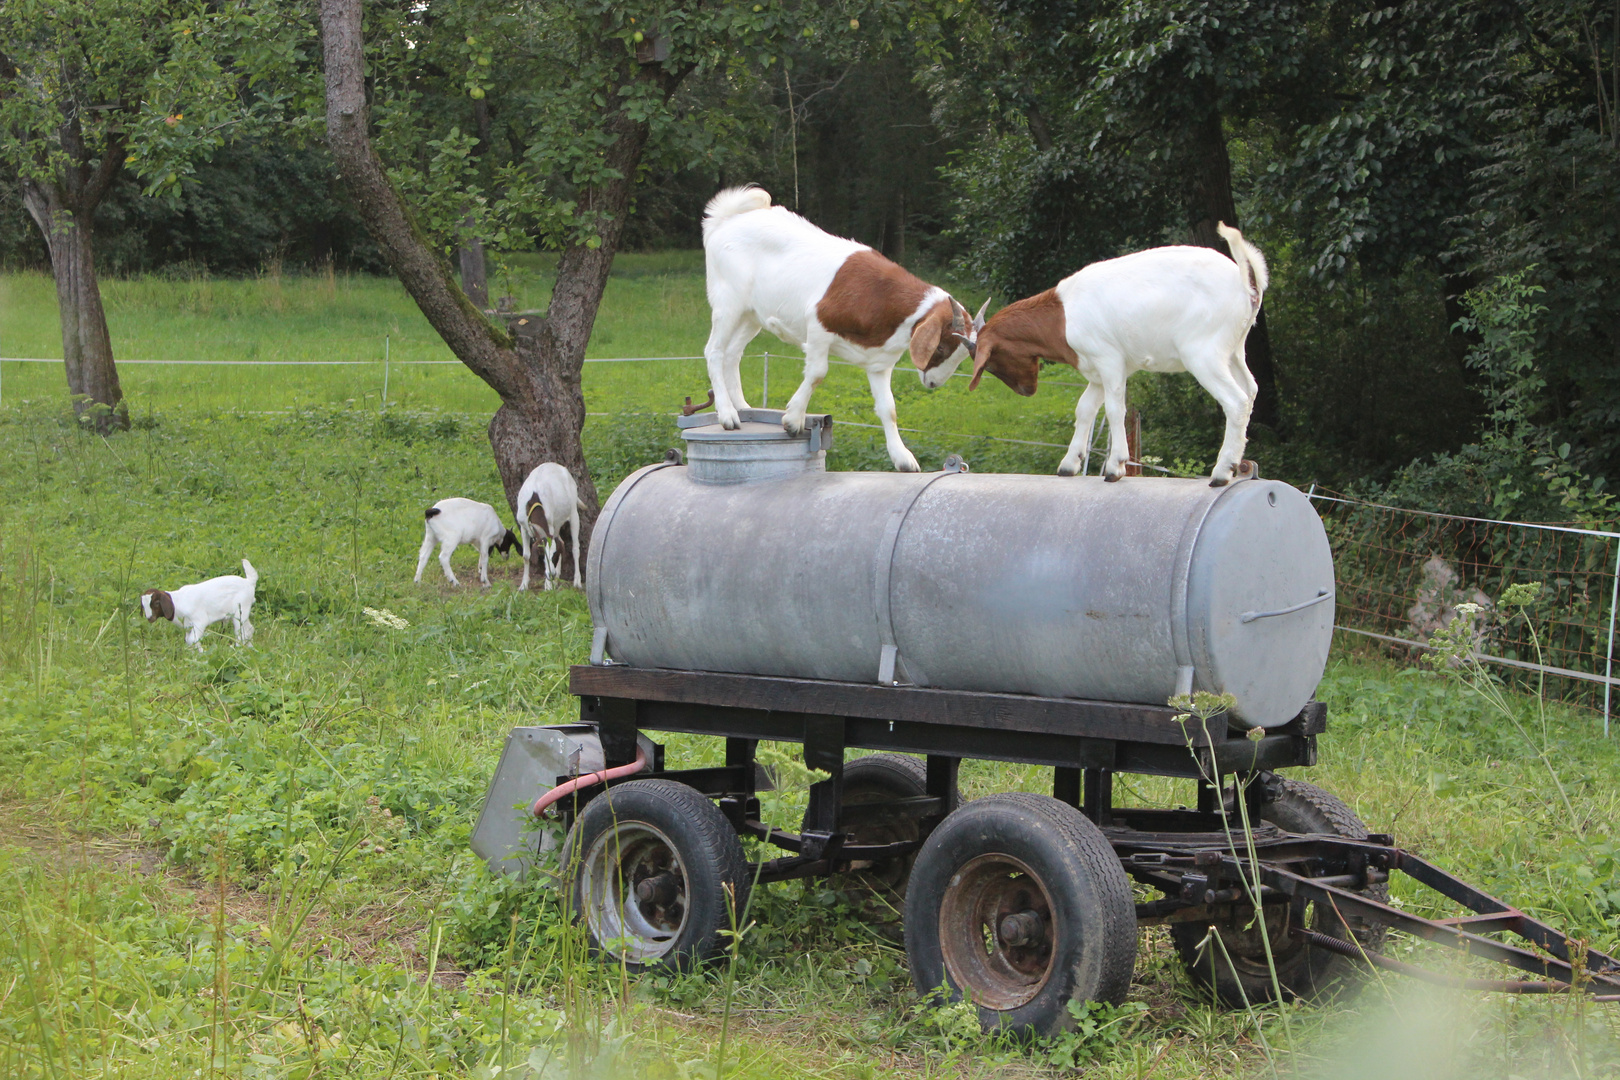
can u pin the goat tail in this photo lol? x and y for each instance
(1251, 264)
(731, 202)
(432, 512)
(251, 574)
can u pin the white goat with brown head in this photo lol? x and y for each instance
(197, 607)
(548, 508)
(1164, 309)
(769, 268)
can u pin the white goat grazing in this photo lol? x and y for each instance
(453, 522)
(769, 268)
(1165, 309)
(548, 503)
(197, 607)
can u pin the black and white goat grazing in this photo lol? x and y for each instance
(197, 607)
(1164, 309)
(453, 522)
(548, 505)
(768, 268)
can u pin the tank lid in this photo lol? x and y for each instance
(756, 424)
(759, 449)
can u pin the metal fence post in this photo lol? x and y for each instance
(385, 369)
(1608, 656)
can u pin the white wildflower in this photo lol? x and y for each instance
(386, 619)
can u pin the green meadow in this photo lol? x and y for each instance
(252, 862)
(321, 341)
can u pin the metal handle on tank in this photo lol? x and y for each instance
(1251, 616)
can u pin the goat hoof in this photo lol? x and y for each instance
(1068, 470)
(793, 425)
(729, 419)
(1109, 478)
(1219, 482)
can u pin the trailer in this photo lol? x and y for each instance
(1017, 902)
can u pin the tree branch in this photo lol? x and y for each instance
(478, 343)
(112, 160)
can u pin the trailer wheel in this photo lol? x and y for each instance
(654, 869)
(1018, 904)
(1302, 971)
(879, 778)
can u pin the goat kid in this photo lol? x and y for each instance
(1164, 309)
(548, 505)
(769, 268)
(453, 522)
(197, 607)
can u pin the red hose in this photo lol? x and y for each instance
(562, 791)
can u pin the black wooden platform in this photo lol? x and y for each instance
(1060, 732)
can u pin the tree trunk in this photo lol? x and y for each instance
(474, 270)
(1209, 202)
(474, 276)
(535, 364)
(87, 353)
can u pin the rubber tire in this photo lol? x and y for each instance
(706, 845)
(1303, 972)
(887, 776)
(1091, 905)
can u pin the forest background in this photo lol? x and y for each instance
(1436, 184)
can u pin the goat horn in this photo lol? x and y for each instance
(971, 344)
(978, 320)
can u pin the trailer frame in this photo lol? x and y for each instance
(1191, 854)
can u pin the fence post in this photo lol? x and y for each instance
(765, 386)
(385, 369)
(1608, 655)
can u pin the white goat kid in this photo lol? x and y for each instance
(548, 504)
(453, 522)
(197, 607)
(1164, 309)
(769, 268)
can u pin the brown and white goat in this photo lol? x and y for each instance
(197, 607)
(548, 507)
(769, 268)
(1164, 309)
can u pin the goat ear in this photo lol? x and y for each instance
(163, 604)
(926, 334)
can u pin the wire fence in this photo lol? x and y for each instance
(1403, 573)
(386, 363)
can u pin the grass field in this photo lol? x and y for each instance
(252, 862)
(654, 307)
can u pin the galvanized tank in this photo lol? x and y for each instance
(754, 559)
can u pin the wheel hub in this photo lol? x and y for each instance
(996, 932)
(1025, 928)
(634, 892)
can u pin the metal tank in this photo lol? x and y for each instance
(752, 558)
